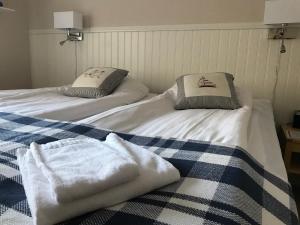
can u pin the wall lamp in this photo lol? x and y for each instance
(5, 9)
(70, 21)
(282, 12)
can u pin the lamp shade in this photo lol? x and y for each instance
(68, 20)
(282, 11)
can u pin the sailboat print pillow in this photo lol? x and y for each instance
(206, 91)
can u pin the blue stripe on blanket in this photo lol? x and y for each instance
(238, 198)
(189, 146)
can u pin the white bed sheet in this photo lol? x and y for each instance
(157, 117)
(51, 104)
(263, 142)
(252, 127)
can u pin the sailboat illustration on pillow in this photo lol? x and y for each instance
(203, 82)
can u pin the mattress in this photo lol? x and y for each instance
(51, 104)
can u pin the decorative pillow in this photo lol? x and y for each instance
(96, 82)
(208, 91)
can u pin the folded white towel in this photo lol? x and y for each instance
(76, 168)
(154, 171)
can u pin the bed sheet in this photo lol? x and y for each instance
(51, 104)
(157, 117)
(252, 127)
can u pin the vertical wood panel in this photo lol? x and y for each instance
(223, 50)
(102, 49)
(134, 54)
(178, 62)
(95, 47)
(115, 49)
(171, 46)
(108, 49)
(187, 52)
(148, 58)
(121, 52)
(155, 75)
(196, 52)
(163, 62)
(128, 49)
(213, 50)
(141, 56)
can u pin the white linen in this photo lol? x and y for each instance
(51, 104)
(263, 141)
(77, 168)
(157, 117)
(154, 171)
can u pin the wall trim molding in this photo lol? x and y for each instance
(183, 27)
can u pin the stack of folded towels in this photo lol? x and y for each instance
(70, 177)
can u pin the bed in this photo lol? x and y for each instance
(51, 104)
(223, 157)
(251, 127)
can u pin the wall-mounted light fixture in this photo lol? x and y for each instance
(282, 12)
(5, 9)
(70, 21)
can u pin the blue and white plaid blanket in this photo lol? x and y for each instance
(219, 184)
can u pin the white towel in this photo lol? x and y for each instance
(154, 172)
(76, 168)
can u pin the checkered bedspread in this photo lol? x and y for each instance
(219, 184)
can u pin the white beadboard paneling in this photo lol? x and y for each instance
(141, 55)
(148, 58)
(288, 89)
(157, 55)
(114, 50)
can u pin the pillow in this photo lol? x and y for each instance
(96, 82)
(131, 85)
(206, 91)
(244, 95)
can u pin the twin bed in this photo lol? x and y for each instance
(230, 161)
(50, 103)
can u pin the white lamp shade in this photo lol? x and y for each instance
(68, 20)
(282, 11)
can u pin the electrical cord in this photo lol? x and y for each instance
(76, 59)
(277, 75)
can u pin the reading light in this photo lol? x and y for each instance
(70, 21)
(4, 9)
(282, 12)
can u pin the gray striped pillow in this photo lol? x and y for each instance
(96, 82)
(206, 91)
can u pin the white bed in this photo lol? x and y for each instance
(252, 127)
(51, 104)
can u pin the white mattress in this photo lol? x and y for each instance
(253, 130)
(51, 104)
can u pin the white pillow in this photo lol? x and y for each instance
(244, 95)
(132, 85)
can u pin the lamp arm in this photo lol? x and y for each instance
(72, 36)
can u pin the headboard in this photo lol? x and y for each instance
(157, 55)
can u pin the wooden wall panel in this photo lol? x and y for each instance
(158, 56)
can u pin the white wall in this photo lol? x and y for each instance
(104, 13)
(14, 46)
